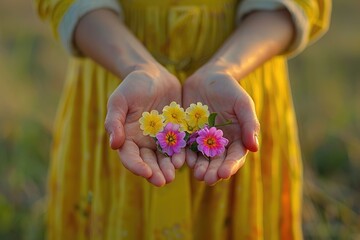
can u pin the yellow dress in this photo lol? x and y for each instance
(92, 196)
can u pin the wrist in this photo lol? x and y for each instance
(128, 62)
(221, 65)
(152, 71)
(215, 70)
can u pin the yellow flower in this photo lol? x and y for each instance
(151, 123)
(187, 128)
(197, 115)
(174, 113)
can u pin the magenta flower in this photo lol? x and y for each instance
(211, 141)
(171, 140)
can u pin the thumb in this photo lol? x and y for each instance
(115, 119)
(248, 121)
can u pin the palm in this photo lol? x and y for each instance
(226, 97)
(138, 93)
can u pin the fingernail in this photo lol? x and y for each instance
(111, 139)
(256, 139)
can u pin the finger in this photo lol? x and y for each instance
(178, 159)
(211, 176)
(166, 167)
(130, 157)
(200, 168)
(115, 119)
(249, 123)
(191, 157)
(157, 178)
(234, 160)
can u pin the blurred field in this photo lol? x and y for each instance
(326, 87)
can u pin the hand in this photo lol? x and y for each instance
(214, 87)
(142, 90)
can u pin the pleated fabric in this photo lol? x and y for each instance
(92, 196)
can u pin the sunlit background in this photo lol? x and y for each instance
(325, 80)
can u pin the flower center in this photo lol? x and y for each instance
(197, 115)
(152, 124)
(171, 138)
(173, 115)
(210, 141)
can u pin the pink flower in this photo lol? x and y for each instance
(171, 140)
(211, 141)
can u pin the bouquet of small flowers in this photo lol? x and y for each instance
(175, 129)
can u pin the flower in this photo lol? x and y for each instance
(175, 129)
(151, 123)
(197, 115)
(211, 141)
(187, 128)
(174, 113)
(171, 139)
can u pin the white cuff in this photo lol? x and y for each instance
(78, 9)
(298, 15)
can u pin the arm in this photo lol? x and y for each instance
(102, 36)
(146, 85)
(260, 36)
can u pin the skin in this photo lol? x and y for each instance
(260, 36)
(147, 85)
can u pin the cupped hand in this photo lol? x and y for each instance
(142, 90)
(215, 87)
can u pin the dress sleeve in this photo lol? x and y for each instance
(64, 15)
(310, 17)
